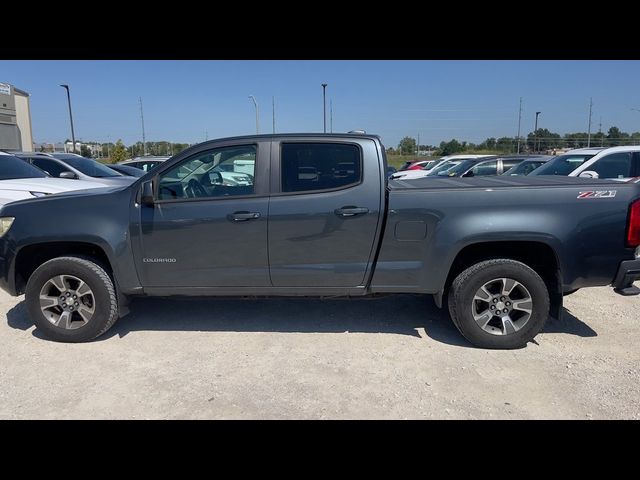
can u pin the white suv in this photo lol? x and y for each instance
(617, 163)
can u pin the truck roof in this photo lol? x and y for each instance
(296, 135)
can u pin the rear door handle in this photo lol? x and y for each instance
(350, 211)
(243, 216)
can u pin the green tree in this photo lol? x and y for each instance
(407, 146)
(614, 137)
(85, 151)
(119, 152)
(451, 147)
(505, 144)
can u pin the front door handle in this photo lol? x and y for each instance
(243, 216)
(350, 211)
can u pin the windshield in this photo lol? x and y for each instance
(443, 166)
(562, 165)
(452, 168)
(91, 167)
(12, 167)
(524, 168)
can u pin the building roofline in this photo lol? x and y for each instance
(21, 92)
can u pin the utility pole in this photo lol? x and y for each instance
(535, 134)
(418, 146)
(144, 140)
(273, 112)
(255, 103)
(331, 115)
(73, 135)
(589, 134)
(324, 105)
(600, 132)
(519, 122)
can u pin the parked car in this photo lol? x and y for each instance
(75, 167)
(127, 170)
(145, 163)
(528, 165)
(617, 163)
(475, 167)
(567, 162)
(501, 250)
(433, 165)
(20, 181)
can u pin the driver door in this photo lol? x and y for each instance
(208, 224)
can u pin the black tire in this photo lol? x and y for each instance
(101, 285)
(466, 285)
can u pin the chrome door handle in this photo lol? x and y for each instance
(243, 216)
(350, 211)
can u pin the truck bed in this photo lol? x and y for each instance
(438, 183)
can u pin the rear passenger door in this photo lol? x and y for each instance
(324, 212)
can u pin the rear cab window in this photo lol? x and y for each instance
(308, 167)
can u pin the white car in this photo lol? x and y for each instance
(615, 163)
(409, 174)
(20, 181)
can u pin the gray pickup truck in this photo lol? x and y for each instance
(315, 215)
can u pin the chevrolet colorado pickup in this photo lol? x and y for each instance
(315, 215)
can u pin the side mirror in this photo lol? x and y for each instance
(146, 195)
(69, 175)
(589, 174)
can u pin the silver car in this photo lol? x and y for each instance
(72, 166)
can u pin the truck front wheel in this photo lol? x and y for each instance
(499, 303)
(71, 299)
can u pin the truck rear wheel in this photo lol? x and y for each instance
(499, 303)
(71, 299)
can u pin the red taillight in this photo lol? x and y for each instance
(633, 229)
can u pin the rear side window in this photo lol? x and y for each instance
(484, 169)
(319, 166)
(616, 165)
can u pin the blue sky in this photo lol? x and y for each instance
(439, 100)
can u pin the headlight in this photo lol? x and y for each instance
(5, 224)
(38, 194)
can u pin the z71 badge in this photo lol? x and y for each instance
(598, 194)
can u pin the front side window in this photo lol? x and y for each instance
(616, 165)
(221, 172)
(319, 166)
(52, 167)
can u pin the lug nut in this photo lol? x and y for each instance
(71, 307)
(508, 304)
(506, 311)
(62, 298)
(76, 304)
(502, 299)
(68, 294)
(64, 305)
(492, 307)
(495, 300)
(75, 296)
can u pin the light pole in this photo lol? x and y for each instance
(256, 105)
(73, 135)
(535, 133)
(324, 105)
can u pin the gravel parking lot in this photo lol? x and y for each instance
(391, 357)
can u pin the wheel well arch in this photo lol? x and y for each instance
(539, 256)
(30, 257)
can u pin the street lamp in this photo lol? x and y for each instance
(535, 133)
(256, 105)
(324, 105)
(73, 135)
